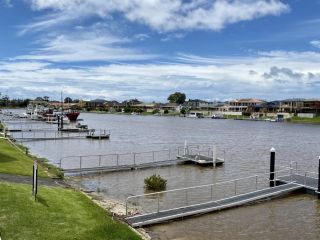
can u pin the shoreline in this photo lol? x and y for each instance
(293, 121)
(115, 208)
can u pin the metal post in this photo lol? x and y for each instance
(158, 202)
(319, 179)
(214, 155)
(99, 160)
(185, 148)
(117, 160)
(272, 166)
(152, 156)
(211, 192)
(134, 159)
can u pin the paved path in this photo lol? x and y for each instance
(28, 180)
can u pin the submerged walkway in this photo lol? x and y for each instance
(152, 218)
(285, 185)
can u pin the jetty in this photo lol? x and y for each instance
(191, 201)
(200, 154)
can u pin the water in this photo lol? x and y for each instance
(247, 146)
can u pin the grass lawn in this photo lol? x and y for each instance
(305, 120)
(58, 214)
(13, 161)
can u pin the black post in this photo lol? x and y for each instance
(319, 179)
(61, 121)
(272, 166)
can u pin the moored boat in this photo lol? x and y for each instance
(73, 115)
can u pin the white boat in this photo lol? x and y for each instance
(195, 115)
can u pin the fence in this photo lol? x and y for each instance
(135, 159)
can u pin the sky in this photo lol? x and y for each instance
(148, 49)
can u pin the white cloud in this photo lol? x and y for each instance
(84, 44)
(276, 75)
(315, 43)
(161, 15)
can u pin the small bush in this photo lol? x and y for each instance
(155, 183)
(155, 111)
(166, 111)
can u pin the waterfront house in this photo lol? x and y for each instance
(300, 107)
(170, 107)
(145, 107)
(96, 103)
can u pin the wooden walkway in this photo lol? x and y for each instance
(161, 216)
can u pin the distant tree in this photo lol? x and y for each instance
(46, 98)
(67, 100)
(127, 109)
(39, 99)
(177, 97)
(183, 111)
(76, 101)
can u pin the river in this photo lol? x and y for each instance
(247, 145)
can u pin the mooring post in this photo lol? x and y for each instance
(272, 166)
(59, 123)
(319, 179)
(214, 155)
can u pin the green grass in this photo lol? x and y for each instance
(13, 161)
(235, 117)
(57, 214)
(305, 120)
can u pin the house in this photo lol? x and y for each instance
(145, 107)
(170, 107)
(96, 103)
(241, 105)
(300, 107)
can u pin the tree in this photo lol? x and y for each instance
(177, 97)
(67, 100)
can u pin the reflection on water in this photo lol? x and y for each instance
(247, 146)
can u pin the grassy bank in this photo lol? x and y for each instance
(13, 161)
(57, 214)
(315, 120)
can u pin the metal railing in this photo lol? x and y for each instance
(117, 160)
(190, 196)
(133, 159)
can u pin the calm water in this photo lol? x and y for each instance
(247, 146)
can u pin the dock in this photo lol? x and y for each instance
(180, 203)
(140, 160)
(171, 214)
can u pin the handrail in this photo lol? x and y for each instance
(111, 154)
(206, 185)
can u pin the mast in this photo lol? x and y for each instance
(61, 103)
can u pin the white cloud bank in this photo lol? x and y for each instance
(161, 15)
(269, 75)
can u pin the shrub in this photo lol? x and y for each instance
(155, 183)
(155, 111)
(166, 111)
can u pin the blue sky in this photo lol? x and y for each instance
(147, 49)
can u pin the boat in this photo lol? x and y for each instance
(195, 115)
(72, 115)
